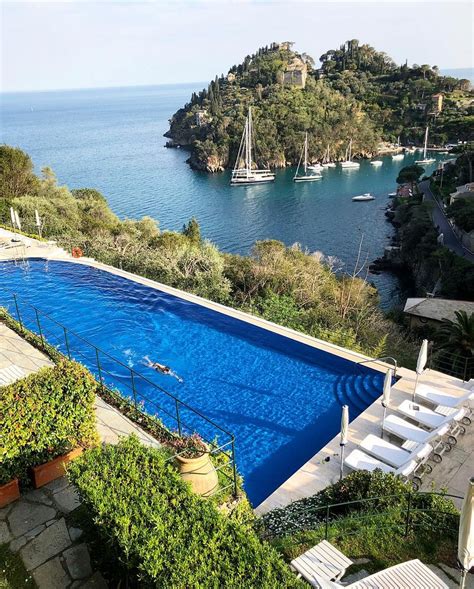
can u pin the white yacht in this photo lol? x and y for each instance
(376, 162)
(327, 163)
(244, 171)
(363, 197)
(348, 163)
(425, 160)
(398, 156)
(305, 177)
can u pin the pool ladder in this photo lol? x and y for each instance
(384, 359)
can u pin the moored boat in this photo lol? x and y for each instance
(348, 163)
(305, 177)
(246, 173)
(426, 160)
(363, 197)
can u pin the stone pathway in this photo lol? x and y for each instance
(35, 525)
(53, 552)
(454, 472)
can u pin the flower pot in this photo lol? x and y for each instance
(200, 472)
(54, 469)
(9, 492)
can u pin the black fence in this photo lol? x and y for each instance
(177, 417)
(401, 513)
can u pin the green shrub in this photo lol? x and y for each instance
(45, 415)
(162, 532)
(385, 491)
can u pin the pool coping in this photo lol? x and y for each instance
(288, 491)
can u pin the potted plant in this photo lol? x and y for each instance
(195, 465)
(9, 488)
(53, 469)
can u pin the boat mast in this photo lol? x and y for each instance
(426, 143)
(249, 141)
(350, 150)
(305, 152)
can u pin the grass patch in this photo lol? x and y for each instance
(13, 574)
(378, 537)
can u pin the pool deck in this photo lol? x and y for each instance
(111, 424)
(452, 474)
(323, 468)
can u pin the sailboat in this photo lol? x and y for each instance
(327, 163)
(348, 163)
(398, 156)
(247, 174)
(305, 177)
(425, 160)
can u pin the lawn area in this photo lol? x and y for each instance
(379, 538)
(13, 574)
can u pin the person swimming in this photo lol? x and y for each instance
(166, 370)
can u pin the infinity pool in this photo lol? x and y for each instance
(280, 398)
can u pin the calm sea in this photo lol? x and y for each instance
(112, 140)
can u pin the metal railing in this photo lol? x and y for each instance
(450, 363)
(177, 417)
(383, 359)
(402, 512)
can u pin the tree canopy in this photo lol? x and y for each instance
(358, 92)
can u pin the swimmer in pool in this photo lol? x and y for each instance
(161, 368)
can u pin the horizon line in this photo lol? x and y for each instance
(117, 87)
(122, 86)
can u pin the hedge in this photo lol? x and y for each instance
(164, 534)
(45, 415)
(363, 491)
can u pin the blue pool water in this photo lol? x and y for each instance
(280, 398)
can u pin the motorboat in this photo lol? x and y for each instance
(363, 197)
(376, 162)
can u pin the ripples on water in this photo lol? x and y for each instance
(112, 140)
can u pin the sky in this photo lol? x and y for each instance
(84, 44)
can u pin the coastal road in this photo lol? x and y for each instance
(451, 240)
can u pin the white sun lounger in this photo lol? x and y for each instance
(323, 560)
(438, 397)
(10, 374)
(428, 417)
(394, 455)
(358, 460)
(412, 574)
(412, 435)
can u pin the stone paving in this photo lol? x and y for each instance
(456, 468)
(35, 525)
(51, 550)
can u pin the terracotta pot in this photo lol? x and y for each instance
(54, 469)
(9, 492)
(200, 472)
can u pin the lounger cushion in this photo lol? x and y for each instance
(438, 397)
(412, 574)
(385, 451)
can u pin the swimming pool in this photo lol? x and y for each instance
(280, 398)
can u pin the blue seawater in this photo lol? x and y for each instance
(112, 140)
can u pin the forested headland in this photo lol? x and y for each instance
(356, 93)
(287, 285)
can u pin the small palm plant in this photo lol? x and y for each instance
(456, 338)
